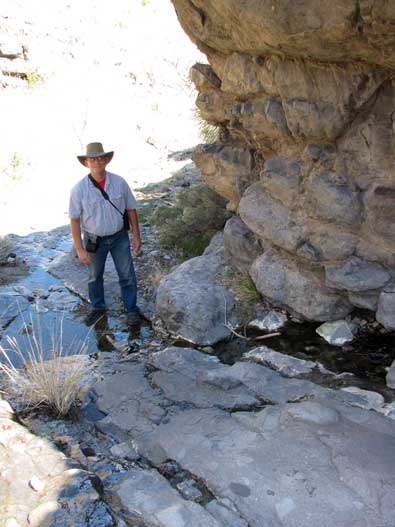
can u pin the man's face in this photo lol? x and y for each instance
(96, 164)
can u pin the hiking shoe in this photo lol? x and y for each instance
(95, 316)
(133, 318)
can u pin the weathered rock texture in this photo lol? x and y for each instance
(192, 300)
(304, 95)
(272, 451)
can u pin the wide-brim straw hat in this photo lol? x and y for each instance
(94, 150)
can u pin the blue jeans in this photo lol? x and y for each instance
(119, 246)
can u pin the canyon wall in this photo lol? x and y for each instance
(304, 98)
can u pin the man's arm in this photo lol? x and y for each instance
(83, 255)
(134, 222)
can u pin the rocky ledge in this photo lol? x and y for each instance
(303, 96)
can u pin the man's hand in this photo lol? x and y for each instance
(84, 257)
(136, 244)
(133, 219)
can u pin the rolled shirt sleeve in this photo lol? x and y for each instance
(130, 200)
(75, 206)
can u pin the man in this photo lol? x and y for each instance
(101, 223)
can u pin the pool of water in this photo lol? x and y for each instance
(366, 357)
(38, 330)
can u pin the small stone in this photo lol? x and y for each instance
(272, 321)
(36, 484)
(337, 333)
(103, 470)
(26, 329)
(285, 364)
(171, 468)
(189, 490)
(88, 451)
(385, 309)
(11, 260)
(313, 412)
(369, 400)
(11, 522)
(356, 275)
(41, 515)
(388, 410)
(208, 349)
(124, 450)
(390, 377)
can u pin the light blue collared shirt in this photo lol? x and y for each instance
(96, 214)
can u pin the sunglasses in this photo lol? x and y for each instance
(96, 158)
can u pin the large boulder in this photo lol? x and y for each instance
(299, 289)
(229, 171)
(192, 301)
(241, 244)
(386, 308)
(269, 219)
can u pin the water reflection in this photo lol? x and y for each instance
(42, 336)
(65, 333)
(113, 333)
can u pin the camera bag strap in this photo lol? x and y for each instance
(104, 193)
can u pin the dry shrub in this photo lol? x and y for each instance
(188, 225)
(5, 248)
(55, 382)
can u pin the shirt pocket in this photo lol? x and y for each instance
(93, 205)
(119, 201)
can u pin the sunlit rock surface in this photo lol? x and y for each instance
(271, 450)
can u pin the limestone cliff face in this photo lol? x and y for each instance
(304, 95)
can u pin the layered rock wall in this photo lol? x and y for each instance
(304, 96)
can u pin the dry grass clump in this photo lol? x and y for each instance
(244, 289)
(5, 248)
(52, 378)
(208, 132)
